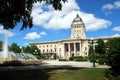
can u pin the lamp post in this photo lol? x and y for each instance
(93, 57)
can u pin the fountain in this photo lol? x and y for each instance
(5, 55)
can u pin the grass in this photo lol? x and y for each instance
(55, 74)
(79, 74)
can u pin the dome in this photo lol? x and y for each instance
(77, 19)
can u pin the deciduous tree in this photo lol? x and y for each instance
(15, 48)
(14, 11)
(114, 55)
(100, 48)
(35, 51)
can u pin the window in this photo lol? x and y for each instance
(55, 49)
(85, 48)
(47, 50)
(59, 49)
(77, 46)
(71, 46)
(51, 50)
(43, 50)
(66, 47)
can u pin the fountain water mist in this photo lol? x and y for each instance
(5, 46)
(4, 53)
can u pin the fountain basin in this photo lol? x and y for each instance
(5, 62)
(6, 59)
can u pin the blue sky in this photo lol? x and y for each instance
(101, 19)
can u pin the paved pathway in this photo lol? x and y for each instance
(51, 64)
(72, 64)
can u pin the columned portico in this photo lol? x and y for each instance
(72, 49)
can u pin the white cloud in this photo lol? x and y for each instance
(107, 13)
(48, 18)
(109, 6)
(116, 35)
(116, 28)
(93, 23)
(111, 36)
(34, 35)
(43, 33)
(117, 4)
(3, 31)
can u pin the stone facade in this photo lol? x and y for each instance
(77, 45)
(78, 29)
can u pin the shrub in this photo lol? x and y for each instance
(63, 59)
(77, 58)
(101, 61)
(71, 58)
(94, 57)
(44, 57)
(111, 76)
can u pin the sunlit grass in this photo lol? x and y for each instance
(78, 74)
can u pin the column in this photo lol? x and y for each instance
(64, 50)
(75, 49)
(80, 48)
(69, 50)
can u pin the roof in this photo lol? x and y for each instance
(77, 19)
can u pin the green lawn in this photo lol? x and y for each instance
(79, 74)
(55, 74)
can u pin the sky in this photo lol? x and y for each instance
(101, 19)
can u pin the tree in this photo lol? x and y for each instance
(15, 11)
(101, 47)
(90, 50)
(27, 49)
(114, 56)
(35, 51)
(15, 48)
(23, 49)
